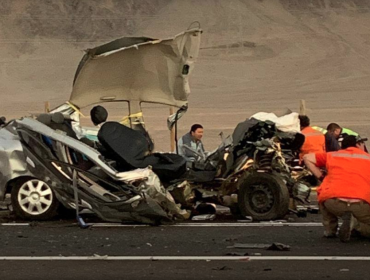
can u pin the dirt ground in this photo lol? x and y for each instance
(256, 55)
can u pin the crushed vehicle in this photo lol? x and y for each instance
(255, 171)
(77, 174)
(45, 163)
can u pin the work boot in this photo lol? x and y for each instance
(356, 228)
(330, 234)
(345, 228)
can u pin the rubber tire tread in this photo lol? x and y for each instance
(279, 189)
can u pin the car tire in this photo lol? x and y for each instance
(33, 199)
(263, 196)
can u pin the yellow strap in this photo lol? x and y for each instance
(75, 108)
(126, 120)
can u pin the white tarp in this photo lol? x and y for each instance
(286, 123)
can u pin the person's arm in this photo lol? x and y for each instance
(310, 162)
(182, 150)
(336, 144)
(332, 144)
(180, 147)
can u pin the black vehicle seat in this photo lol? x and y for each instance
(46, 120)
(130, 149)
(59, 122)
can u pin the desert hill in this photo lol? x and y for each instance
(256, 55)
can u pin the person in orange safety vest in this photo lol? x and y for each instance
(345, 190)
(314, 140)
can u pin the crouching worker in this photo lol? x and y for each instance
(314, 139)
(345, 190)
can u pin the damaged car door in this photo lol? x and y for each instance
(137, 195)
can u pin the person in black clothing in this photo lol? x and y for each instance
(331, 137)
(98, 115)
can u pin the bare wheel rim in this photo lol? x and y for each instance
(35, 197)
(261, 198)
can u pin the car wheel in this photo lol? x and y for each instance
(263, 196)
(33, 199)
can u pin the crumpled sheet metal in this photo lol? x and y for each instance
(138, 70)
(12, 160)
(182, 193)
(146, 210)
(89, 152)
(157, 205)
(153, 187)
(67, 110)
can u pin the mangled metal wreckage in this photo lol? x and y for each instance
(62, 162)
(39, 163)
(254, 171)
(121, 178)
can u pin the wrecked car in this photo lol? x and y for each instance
(77, 174)
(253, 171)
(45, 163)
(44, 167)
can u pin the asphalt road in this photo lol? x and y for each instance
(61, 250)
(185, 270)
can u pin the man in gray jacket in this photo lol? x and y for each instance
(190, 145)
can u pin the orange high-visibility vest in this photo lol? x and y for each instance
(314, 141)
(348, 175)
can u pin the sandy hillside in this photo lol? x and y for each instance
(255, 56)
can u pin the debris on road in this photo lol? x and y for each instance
(222, 268)
(279, 221)
(205, 208)
(247, 219)
(205, 217)
(248, 246)
(278, 247)
(274, 246)
(237, 254)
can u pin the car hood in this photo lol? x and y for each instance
(137, 69)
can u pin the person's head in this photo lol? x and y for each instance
(2, 120)
(304, 121)
(98, 115)
(196, 131)
(353, 141)
(334, 129)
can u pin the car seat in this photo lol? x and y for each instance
(130, 149)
